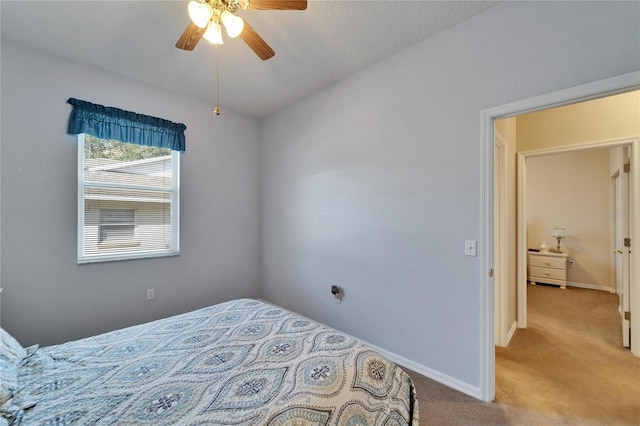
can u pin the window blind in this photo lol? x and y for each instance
(127, 201)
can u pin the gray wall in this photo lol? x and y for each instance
(375, 182)
(47, 297)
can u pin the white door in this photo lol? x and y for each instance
(622, 253)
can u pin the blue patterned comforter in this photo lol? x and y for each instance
(241, 362)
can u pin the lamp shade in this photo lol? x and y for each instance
(214, 33)
(200, 13)
(559, 233)
(234, 24)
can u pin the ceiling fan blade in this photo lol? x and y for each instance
(256, 43)
(277, 4)
(190, 37)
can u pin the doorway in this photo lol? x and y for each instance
(596, 90)
(597, 223)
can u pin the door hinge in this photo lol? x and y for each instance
(627, 242)
(627, 168)
(627, 315)
(491, 273)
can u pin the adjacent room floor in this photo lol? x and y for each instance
(568, 367)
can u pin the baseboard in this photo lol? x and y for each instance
(512, 331)
(591, 286)
(439, 377)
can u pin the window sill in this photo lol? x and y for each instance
(126, 256)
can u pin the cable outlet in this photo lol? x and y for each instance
(151, 293)
(337, 293)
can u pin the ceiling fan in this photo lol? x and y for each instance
(208, 17)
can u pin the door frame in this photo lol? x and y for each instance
(501, 235)
(598, 89)
(622, 228)
(522, 216)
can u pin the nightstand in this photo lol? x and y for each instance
(548, 267)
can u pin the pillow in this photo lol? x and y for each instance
(11, 355)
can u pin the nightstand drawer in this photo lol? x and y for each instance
(556, 274)
(548, 262)
(548, 268)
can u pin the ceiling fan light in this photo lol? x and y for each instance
(234, 24)
(200, 13)
(214, 33)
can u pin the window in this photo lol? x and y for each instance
(128, 197)
(117, 226)
(128, 183)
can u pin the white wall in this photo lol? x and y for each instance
(572, 190)
(47, 297)
(374, 183)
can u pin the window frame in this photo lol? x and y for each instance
(174, 250)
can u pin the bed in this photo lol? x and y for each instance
(243, 362)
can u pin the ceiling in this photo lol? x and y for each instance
(314, 48)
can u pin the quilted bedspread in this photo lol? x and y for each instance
(239, 362)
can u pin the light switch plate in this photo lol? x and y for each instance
(470, 248)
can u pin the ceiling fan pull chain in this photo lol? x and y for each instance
(216, 110)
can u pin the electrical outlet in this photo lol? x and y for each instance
(151, 293)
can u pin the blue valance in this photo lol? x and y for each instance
(126, 126)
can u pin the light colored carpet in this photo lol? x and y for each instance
(567, 368)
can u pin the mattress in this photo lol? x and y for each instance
(243, 362)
